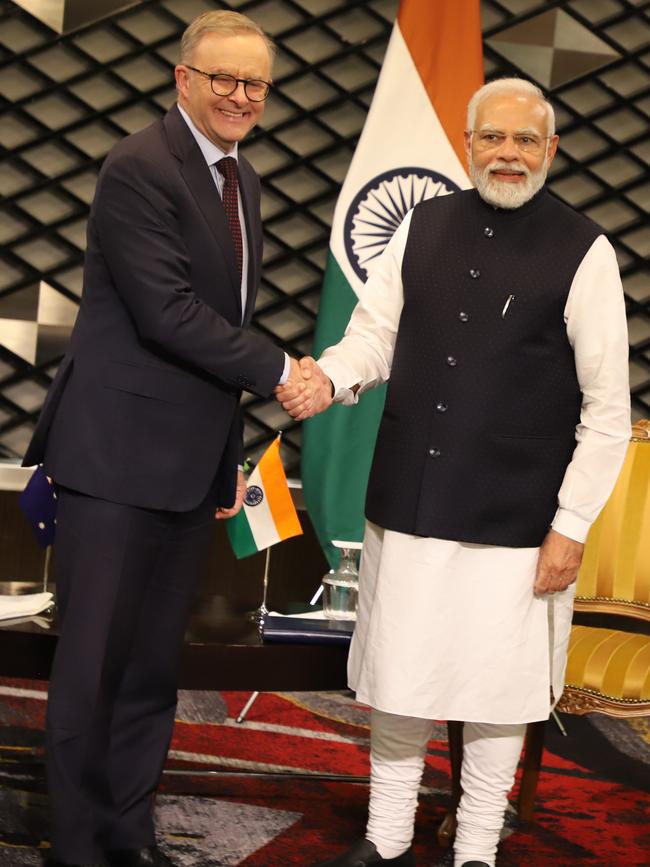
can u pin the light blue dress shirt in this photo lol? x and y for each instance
(212, 154)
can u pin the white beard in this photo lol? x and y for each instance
(502, 194)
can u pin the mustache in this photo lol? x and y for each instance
(496, 165)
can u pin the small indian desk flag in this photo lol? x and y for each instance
(268, 515)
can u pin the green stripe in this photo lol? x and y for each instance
(337, 301)
(337, 447)
(240, 535)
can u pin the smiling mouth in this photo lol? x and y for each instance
(236, 115)
(507, 173)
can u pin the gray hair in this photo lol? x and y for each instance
(220, 21)
(509, 85)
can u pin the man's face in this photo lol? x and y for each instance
(509, 151)
(223, 119)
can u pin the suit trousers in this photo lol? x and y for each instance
(125, 579)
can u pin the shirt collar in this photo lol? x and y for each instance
(211, 152)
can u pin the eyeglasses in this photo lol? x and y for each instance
(223, 84)
(488, 140)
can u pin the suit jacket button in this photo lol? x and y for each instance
(435, 453)
(441, 407)
(474, 273)
(464, 317)
(452, 361)
(488, 232)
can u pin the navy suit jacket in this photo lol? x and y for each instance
(144, 409)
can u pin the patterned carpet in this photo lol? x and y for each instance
(592, 807)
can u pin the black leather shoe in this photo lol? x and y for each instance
(364, 853)
(151, 856)
(475, 864)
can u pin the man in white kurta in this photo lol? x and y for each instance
(458, 630)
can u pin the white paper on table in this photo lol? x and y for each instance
(23, 606)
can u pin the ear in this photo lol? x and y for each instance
(467, 141)
(552, 149)
(182, 79)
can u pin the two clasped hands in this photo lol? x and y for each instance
(307, 391)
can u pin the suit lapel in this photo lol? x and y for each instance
(199, 179)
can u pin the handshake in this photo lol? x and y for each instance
(307, 391)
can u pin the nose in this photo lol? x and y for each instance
(508, 151)
(238, 95)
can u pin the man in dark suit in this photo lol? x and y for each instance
(142, 434)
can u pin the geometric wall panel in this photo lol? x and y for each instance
(65, 100)
(64, 16)
(553, 48)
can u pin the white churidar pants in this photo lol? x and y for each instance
(490, 756)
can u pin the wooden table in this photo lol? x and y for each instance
(222, 650)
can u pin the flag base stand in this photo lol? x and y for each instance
(258, 616)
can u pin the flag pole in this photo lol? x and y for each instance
(260, 613)
(46, 567)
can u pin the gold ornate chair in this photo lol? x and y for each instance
(608, 667)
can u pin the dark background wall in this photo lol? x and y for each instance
(66, 99)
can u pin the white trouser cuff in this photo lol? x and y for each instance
(490, 757)
(397, 748)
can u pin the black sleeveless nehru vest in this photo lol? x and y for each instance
(483, 398)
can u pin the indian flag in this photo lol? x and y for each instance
(268, 515)
(411, 148)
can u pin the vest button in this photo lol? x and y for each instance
(451, 361)
(441, 407)
(474, 273)
(435, 453)
(488, 232)
(464, 317)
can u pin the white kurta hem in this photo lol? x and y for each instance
(453, 631)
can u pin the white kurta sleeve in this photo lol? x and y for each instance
(597, 331)
(364, 355)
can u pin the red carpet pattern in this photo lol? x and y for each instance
(592, 805)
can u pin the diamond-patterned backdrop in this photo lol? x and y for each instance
(66, 99)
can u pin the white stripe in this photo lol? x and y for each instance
(260, 518)
(400, 103)
(229, 722)
(18, 692)
(207, 759)
(242, 765)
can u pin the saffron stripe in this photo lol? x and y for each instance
(277, 492)
(444, 40)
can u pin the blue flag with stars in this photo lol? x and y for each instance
(38, 503)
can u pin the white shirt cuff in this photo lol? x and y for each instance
(285, 372)
(571, 525)
(342, 386)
